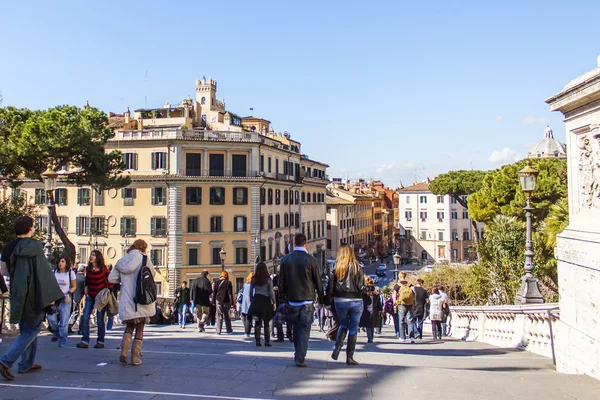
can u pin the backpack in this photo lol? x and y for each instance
(240, 297)
(406, 295)
(145, 290)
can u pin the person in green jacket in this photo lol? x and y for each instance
(32, 290)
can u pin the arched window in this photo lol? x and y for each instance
(203, 100)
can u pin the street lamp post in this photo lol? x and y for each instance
(222, 254)
(529, 293)
(396, 263)
(49, 178)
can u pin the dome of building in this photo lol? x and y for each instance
(548, 147)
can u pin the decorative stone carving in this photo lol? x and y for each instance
(589, 167)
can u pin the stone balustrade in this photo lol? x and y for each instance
(527, 327)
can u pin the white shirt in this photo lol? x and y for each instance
(63, 280)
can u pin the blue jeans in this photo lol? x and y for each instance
(396, 323)
(349, 313)
(370, 334)
(406, 316)
(25, 345)
(109, 323)
(87, 312)
(301, 319)
(182, 312)
(418, 323)
(59, 328)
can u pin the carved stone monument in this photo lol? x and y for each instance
(578, 247)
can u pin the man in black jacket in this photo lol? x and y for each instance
(200, 291)
(299, 278)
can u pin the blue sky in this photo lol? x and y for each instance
(380, 89)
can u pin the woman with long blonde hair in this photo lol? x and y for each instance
(346, 285)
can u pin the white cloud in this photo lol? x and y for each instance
(395, 166)
(530, 119)
(499, 118)
(506, 154)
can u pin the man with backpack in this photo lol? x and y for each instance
(421, 299)
(406, 301)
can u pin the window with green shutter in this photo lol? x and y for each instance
(127, 226)
(130, 160)
(83, 196)
(216, 224)
(98, 226)
(60, 197)
(159, 196)
(158, 226)
(128, 195)
(82, 226)
(40, 196)
(98, 197)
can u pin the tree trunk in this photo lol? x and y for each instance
(69, 247)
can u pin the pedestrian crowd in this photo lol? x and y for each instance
(343, 299)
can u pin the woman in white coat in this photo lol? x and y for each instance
(133, 315)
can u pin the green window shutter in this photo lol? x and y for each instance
(245, 226)
(154, 160)
(199, 195)
(153, 226)
(133, 227)
(123, 193)
(134, 193)
(135, 161)
(122, 226)
(78, 226)
(153, 196)
(79, 199)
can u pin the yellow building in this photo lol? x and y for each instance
(363, 238)
(203, 180)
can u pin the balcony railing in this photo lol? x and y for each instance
(527, 327)
(178, 133)
(218, 173)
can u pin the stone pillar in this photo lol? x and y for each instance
(228, 171)
(204, 163)
(175, 238)
(578, 247)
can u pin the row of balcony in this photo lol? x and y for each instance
(241, 173)
(178, 133)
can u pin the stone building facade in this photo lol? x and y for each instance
(578, 247)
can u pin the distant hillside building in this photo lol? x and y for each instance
(548, 147)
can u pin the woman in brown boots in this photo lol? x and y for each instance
(133, 315)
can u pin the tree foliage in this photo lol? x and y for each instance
(63, 136)
(458, 184)
(501, 258)
(10, 209)
(501, 192)
(544, 243)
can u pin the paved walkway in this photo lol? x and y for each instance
(183, 364)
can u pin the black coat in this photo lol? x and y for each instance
(223, 291)
(200, 291)
(299, 277)
(371, 310)
(178, 296)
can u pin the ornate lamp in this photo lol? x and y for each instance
(529, 293)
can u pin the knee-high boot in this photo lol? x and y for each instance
(125, 345)
(136, 352)
(267, 336)
(257, 326)
(350, 350)
(339, 341)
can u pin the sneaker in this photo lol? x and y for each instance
(99, 345)
(82, 345)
